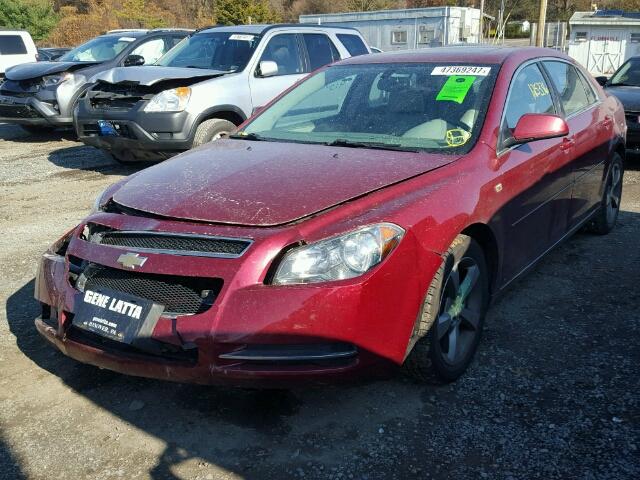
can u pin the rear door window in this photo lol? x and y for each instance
(320, 49)
(353, 43)
(528, 93)
(12, 45)
(568, 85)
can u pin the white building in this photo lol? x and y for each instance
(601, 41)
(408, 28)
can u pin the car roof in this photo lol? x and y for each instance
(259, 29)
(124, 33)
(11, 31)
(460, 53)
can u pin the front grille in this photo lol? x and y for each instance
(118, 96)
(179, 295)
(90, 129)
(18, 111)
(185, 244)
(115, 104)
(93, 130)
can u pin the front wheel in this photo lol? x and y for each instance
(604, 220)
(211, 130)
(449, 325)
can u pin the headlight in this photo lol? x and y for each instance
(174, 100)
(51, 80)
(345, 256)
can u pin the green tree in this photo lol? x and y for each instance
(141, 14)
(237, 12)
(35, 16)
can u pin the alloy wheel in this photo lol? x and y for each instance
(613, 193)
(458, 322)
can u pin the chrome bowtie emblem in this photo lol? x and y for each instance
(131, 260)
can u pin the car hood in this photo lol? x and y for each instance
(26, 71)
(266, 183)
(151, 74)
(628, 96)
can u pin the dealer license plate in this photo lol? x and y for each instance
(116, 315)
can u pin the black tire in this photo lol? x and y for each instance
(37, 129)
(604, 220)
(210, 130)
(428, 360)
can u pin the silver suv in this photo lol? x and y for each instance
(205, 87)
(41, 95)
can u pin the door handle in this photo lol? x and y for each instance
(567, 144)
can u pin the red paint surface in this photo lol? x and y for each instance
(524, 199)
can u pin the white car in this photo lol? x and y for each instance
(16, 46)
(204, 87)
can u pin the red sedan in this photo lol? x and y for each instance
(366, 218)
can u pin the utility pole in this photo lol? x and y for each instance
(481, 36)
(541, 23)
(501, 25)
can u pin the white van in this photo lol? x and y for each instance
(16, 46)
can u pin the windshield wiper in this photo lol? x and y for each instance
(247, 136)
(622, 84)
(343, 142)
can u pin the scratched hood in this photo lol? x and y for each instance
(26, 71)
(151, 74)
(266, 183)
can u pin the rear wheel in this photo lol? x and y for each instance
(449, 325)
(212, 129)
(605, 218)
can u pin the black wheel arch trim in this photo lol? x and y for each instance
(211, 113)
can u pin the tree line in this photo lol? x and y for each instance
(70, 22)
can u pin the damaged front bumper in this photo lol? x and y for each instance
(252, 334)
(30, 110)
(137, 135)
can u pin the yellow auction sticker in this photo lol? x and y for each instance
(457, 137)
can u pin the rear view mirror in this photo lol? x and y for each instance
(267, 68)
(602, 80)
(537, 126)
(134, 61)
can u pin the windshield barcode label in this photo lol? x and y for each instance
(461, 70)
(241, 37)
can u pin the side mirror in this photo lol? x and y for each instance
(134, 61)
(602, 80)
(267, 68)
(537, 126)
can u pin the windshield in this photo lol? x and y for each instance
(418, 106)
(99, 49)
(229, 52)
(628, 74)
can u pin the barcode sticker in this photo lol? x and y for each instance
(461, 70)
(239, 36)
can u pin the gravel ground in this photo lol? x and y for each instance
(554, 391)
